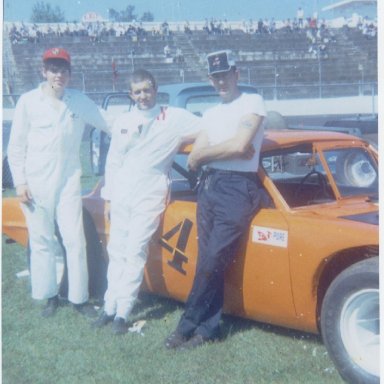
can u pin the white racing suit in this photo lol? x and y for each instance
(142, 149)
(43, 153)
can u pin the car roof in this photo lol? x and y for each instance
(285, 138)
(179, 93)
(274, 139)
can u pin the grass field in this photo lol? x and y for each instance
(65, 350)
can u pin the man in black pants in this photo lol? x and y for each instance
(229, 195)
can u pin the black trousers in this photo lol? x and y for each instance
(227, 201)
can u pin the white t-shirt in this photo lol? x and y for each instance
(222, 123)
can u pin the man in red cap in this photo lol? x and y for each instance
(43, 154)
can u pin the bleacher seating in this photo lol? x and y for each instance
(281, 59)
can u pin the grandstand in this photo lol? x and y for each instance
(286, 63)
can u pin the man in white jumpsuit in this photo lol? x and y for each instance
(43, 155)
(144, 143)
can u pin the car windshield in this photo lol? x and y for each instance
(354, 171)
(299, 176)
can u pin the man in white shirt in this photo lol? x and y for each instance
(229, 195)
(144, 143)
(44, 157)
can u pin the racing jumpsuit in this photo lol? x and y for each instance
(142, 149)
(43, 153)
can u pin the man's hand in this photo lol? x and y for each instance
(250, 151)
(193, 161)
(23, 193)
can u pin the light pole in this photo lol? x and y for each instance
(361, 69)
(320, 71)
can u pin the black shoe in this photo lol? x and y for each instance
(174, 340)
(195, 341)
(119, 326)
(86, 309)
(51, 307)
(103, 320)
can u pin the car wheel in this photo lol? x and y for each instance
(355, 170)
(350, 324)
(7, 181)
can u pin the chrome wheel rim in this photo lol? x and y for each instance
(360, 329)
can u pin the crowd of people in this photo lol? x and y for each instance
(95, 31)
(136, 31)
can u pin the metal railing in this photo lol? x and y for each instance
(269, 92)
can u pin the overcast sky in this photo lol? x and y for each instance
(173, 10)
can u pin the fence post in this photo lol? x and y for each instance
(83, 80)
(320, 72)
(275, 88)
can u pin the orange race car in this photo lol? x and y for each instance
(310, 260)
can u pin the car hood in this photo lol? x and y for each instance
(358, 210)
(368, 218)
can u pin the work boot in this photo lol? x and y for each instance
(175, 340)
(119, 326)
(85, 309)
(103, 320)
(51, 307)
(195, 341)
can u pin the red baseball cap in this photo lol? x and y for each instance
(57, 53)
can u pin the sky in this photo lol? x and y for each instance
(173, 10)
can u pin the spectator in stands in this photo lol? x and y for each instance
(300, 17)
(144, 143)
(206, 27)
(226, 27)
(272, 27)
(164, 29)
(167, 51)
(43, 154)
(260, 27)
(187, 29)
(179, 57)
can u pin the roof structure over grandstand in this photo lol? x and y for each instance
(348, 4)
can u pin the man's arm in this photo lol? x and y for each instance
(95, 116)
(16, 151)
(239, 146)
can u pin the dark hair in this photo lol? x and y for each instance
(141, 75)
(56, 64)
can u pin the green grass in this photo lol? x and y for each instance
(65, 350)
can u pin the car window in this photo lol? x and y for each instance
(162, 98)
(183, 181)
(299, 176)
(199, 104)
(354, 171)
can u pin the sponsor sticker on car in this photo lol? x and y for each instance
(270, 236)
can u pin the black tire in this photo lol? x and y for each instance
(350, 324)
(7, 181)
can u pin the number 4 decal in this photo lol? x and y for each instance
(178, 253)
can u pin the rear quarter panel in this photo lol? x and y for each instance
(13, 221)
